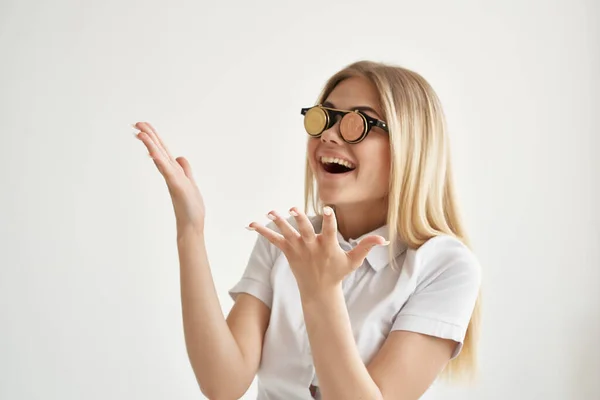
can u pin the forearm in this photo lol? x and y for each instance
(213, 351)
(341, 371)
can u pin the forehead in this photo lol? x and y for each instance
(355, 91)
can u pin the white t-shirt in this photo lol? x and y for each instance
(433, 292)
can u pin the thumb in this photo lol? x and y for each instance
(187, 168)
(359, 253)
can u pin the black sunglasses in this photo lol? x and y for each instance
(354, 125)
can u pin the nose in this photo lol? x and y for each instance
(332, 135)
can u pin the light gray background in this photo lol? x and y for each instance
(89, 280)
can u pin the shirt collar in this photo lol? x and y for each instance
(378, 257)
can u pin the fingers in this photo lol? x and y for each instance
(286, 229)
(164, 146)
(304, 225)
(147, 128)
(329, 224)
(275, 238)
(358, 254)
(187, 168)
(162, 163)
(161, 156)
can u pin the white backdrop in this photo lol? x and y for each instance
(89, 278)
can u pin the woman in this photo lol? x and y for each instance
(372, 297)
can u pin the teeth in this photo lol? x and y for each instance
(331, 160)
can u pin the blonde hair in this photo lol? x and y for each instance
(422, 199)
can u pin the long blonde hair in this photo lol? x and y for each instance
(421, 180)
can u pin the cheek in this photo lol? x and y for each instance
(375, 158)
(385, 165)
(382, 173)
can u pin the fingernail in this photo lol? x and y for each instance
(250, 228)
(293, 213)
(328, 210)
(135, 134)
(384, 243)
(134, 126)
(271, 217)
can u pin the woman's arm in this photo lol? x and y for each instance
(342, 373)
(224, 354)
(405, 366)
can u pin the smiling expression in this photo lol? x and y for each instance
(351, 173)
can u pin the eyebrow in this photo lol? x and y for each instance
(360, 108)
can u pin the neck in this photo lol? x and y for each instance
(354, 220)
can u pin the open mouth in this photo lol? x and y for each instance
(336, 165)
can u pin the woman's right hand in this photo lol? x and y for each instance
(187, 200)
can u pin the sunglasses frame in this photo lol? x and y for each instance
(330, 113)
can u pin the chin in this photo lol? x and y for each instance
(328, 199)
(333, 197)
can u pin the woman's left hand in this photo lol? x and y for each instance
(317, 261)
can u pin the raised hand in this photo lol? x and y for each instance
(317, 260)
(185, 195)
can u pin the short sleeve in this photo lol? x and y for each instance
(445, 295)
(256, 279)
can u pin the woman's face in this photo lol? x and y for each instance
(368, 181)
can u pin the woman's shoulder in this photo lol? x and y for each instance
(444, 254)
(443, 243)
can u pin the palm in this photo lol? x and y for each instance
(317, 260)
(185, 195)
